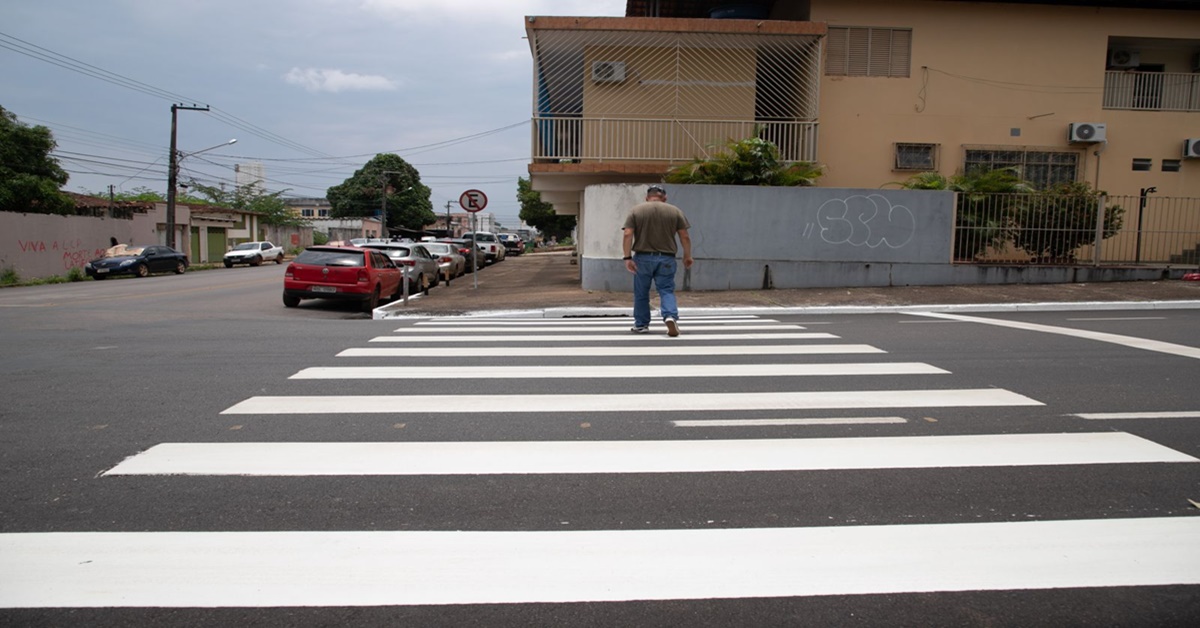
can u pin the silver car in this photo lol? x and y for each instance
(452, 263)
(420, 266)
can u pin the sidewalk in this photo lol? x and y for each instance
(549, 282)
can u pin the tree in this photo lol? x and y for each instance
(29, 177)
(539, 214)
(252, 197)
(361, 196)
(752, 161)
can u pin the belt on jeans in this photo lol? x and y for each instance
(654, 253)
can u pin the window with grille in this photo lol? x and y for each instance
(1041, 167)
(868, 51)
(922, 157)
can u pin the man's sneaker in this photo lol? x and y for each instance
(640, 330)
(672, 327)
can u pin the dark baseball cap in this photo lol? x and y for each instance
(656, 189)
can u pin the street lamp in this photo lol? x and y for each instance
(173, 180)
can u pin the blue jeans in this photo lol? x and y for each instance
(660, 269)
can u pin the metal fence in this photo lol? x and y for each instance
(1076, 229)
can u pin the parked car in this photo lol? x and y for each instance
(489, 243)
(452, 263)
(254, 254)
(474, 262)
(419, 265)
(138, 261)
(340, 272)
(513, 245)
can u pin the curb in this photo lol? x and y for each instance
(597, 312)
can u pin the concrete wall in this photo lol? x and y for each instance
(42, 245)
(746, 238)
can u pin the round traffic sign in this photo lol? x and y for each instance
(473, 200)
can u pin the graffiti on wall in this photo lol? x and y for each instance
(871, 221)
(74, 253)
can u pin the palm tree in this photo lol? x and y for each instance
(752, 161)
(988, 204)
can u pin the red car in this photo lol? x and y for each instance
(341, 272)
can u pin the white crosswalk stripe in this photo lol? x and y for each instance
(347, 568)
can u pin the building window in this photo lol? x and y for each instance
(1170, 165)
(1041, 167)
(324, 213)
(868, 51)
(1143, 164)
(307, 213)
(922, 157)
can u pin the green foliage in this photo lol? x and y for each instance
(29, 177)
(75, 274)
(752, 161)
(361, 196)
(539, 214)
(320, 237)
(251, 197)
(9, 277)
(987, 201)
(1054, 223)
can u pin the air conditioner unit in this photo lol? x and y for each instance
(1088, 132)
(1123, 58)
(1191, 148)
(608, 71)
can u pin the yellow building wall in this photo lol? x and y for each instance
(1004, 75)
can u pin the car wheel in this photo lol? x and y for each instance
(373, 301)
(279, 258)
(257, 261)
(290, 300)
(180, 267)
(142, 270)
(228, 264)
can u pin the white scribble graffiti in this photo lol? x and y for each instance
(869, 221)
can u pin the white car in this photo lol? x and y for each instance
(254, 254)
(491, 245)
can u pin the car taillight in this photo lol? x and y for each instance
(444, 260)
(363, 276)
(408, 262)
(288, 273)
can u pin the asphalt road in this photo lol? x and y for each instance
(98, 375)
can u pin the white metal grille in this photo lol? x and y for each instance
(669, 96)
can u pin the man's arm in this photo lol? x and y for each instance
(627, 250)
(686, 241)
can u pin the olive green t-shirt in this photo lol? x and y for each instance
(654, 225)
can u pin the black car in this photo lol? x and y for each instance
(138, 261)
(512, 243)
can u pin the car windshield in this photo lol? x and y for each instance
(394, 252)
(485, 237)
(331, 258)
(434, 247)
(248, 246)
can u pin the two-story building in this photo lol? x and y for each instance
(1102, 91)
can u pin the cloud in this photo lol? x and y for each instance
(326, 80)
(489, 10)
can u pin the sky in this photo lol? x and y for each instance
(312, 89)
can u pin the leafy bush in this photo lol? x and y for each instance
(320, 237)
(9, 277)
(76, 274)
(752, 161)
(1054, 223)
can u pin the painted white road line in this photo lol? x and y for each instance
(1120, 318)
(625, 337)
(593, 322)
(1127, 341)
(862, 420)
(639, 371)
(595, 329)
(653, 402)
(665, 456)
(1106, 416)
(658, 350)
(398, 568)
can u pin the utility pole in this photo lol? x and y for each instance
(449, 232)
(173, 172)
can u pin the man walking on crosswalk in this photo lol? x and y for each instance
(649, 248)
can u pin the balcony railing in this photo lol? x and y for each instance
(1152, 91)
(557, 139)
